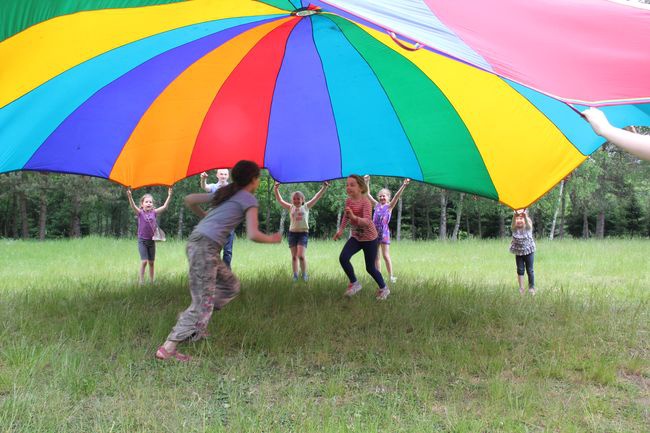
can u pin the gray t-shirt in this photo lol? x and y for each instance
(213, 187)
(223, 219)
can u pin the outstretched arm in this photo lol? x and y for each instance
(204, 184)
(253, 232)
(135, 208)
(318, 195)
(193, 201)
(163, 208)
(370, 197)
(398, 194)
(636, 144)
(278, 197)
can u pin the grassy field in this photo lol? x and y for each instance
(455, 348)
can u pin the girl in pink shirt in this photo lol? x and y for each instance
(358, 212)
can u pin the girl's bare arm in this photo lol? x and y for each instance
(253, 232)
(135, 208)
(318, 195)
(398, 194)
(163, 208)
(278, 197)
(193, 201)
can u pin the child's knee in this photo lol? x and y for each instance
(520, 271)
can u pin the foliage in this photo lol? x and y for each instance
(608, 195)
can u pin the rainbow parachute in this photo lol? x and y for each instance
(146, 92)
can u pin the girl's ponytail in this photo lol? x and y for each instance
(243, 173)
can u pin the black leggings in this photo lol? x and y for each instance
(526, 263)
(351, 247)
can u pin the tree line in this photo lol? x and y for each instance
(608, 195)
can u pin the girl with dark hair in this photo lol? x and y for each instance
(358, 212)
(212, 283)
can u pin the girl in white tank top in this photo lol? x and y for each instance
(299, 226)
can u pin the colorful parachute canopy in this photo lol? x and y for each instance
(146, 92)
(585, 52)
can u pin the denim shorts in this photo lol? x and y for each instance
(147, 249)
(298, 238)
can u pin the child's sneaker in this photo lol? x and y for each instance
(532, 291)
(382, 294)
(295, 278)
(305, 278)
(393, 279)
(353, 289)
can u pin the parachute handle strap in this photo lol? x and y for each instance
(415, 47)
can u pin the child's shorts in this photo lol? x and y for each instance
(298, 238)
(147, 249)
(384, 239)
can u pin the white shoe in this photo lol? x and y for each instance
(393, 279)
(353, 289)
(382, 294)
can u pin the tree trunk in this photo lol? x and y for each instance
(42, 217)
(562, 208)
(413, 234)
(8, 213)
(585, 225)
(427, 222)
(398, 235)
(459, 215)
(502, 224)
(22, 206)
(600, 225)
(283, 218)
(181, 222)
(338, 219)
(75, 219)
(480, 224)
(443, 215)
(14, 219)
(557, 210)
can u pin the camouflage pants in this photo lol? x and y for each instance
(212, 285)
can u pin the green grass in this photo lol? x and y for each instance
(455, 348)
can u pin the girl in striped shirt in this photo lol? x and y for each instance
(358, 212)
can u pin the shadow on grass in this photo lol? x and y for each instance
(274, 316)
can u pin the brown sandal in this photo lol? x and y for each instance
(164, 355)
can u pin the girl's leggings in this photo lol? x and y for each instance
(351, 247)
(526, 262)
(212, 285)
